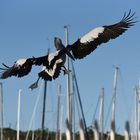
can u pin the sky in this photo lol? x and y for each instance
(27, 28)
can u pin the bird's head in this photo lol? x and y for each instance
(58, 43)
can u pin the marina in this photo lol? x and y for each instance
(69, 70)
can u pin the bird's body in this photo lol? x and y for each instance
(51, 70)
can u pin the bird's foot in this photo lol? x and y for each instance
(66, 71)
(33, 86)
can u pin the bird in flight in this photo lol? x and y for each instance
(53, 63)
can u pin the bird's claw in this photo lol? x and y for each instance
(66, 71)
(33, 86)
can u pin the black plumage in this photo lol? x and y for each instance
(20, 68)
(54, 62)
(89, 42)
(51, 67)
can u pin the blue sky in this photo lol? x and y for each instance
(27, 28)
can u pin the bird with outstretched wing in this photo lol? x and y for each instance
(54, 62)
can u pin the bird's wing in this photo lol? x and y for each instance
(43, 60)
(25, 69)
(11, 71)
(89, 42)
(45, 75)
(20, 68)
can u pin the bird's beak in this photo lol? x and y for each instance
(70, 55)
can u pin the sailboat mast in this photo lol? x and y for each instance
(58, 114)
(101, 118)
(61, 122)
(68, 76)
(114, 95)
(136, 113)
(18, 114)
(44, 108)
(1, 110)
(80, 102)
(139, 110)
(73, 107)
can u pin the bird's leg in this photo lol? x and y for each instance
(34, 85)
(65, 70)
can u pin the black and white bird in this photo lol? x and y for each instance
(53, 63)
(88, 43)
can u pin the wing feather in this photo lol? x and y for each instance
(88, 43)
(17, 70)
(12, 71)
(43, 60)
(44, 75)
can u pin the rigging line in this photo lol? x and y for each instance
(125, 106)
(96, 109)
(121, 80)
(78, 109)
(108, 112)
(80, 102)
(34, 110)
(110, 104)
(131, 111)
(123, 95)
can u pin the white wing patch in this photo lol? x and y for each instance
(93, 34)
(20, 62)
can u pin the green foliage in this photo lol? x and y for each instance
(10, 134)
